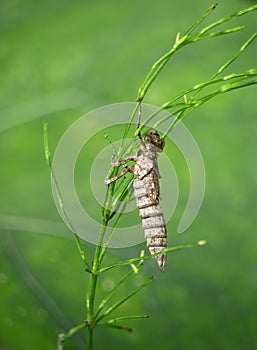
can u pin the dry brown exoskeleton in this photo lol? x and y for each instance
(147, 192)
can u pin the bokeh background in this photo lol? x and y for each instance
(61, 59)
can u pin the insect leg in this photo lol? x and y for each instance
(122, 162)
(124, 172)
(117, 164)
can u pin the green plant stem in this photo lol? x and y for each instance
(108, 240)
(59, 195)
(121, 319)
(160, 64)
(132, 116)
(187, 39)
(92, 289)
(90, 310)
(141, 258)
(118, 284)
(74, 330)
(90, 307)
(111, 325)
(123, 300)
(228, 18)
(117, 194)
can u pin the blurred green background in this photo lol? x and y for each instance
(61, 59)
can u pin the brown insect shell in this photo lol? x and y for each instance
(153, 142)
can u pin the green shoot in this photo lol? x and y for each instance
(118, 194)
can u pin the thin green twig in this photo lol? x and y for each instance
(125, 318)
(59, 195)
(113, 323)
(117, 195)
(115, 326)
(114, 289)
(167, 250)
(123, 300)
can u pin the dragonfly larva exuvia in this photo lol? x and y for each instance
(147, 192)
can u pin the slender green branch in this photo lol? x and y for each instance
(59, 195)
(118, 194)
(115, 326)
(141, 258)
(230, 61)
(123, 300)
(133, 114)
(121, 319)
(185, 40)
(118, 284)
(201, 19)
(183, 112)
(74, 330)
(228, 18)
(110, 235)
(112, 323)
(92, 288)
(240, 51)
(202, 85)
(160, 64)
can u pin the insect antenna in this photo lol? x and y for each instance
(107, 138)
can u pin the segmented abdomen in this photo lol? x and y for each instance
(146, 192)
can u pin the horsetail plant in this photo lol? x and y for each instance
(118, 194)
